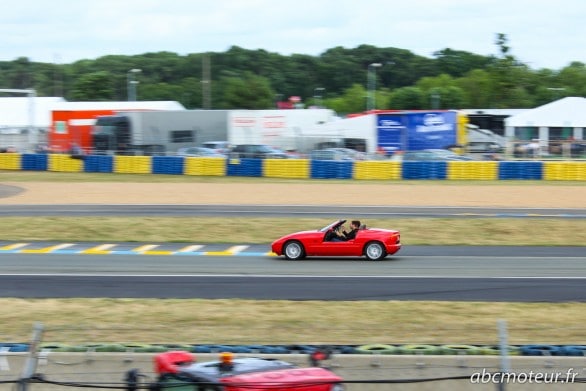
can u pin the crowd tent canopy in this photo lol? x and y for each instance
(17, 113)
(23, 112)
(564, 119)
(119, 106)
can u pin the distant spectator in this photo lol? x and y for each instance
(76, 152)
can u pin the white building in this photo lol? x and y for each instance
(560, 120)
(25, 121)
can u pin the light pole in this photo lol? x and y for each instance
(131, 83)
(371, 84)
(435, 100)
(318, 97)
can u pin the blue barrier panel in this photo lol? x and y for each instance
(244, 167)
(541, 350)
(521, 170)
(167, 165)
(15, 347)
(574, 350)
(328, 169)
(424, 170)
(34, 162)
(98, 163)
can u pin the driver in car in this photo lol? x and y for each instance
(343, 236)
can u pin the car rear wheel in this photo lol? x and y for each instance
(294, 250)
(374, 251)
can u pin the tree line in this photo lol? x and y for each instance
(341, 79)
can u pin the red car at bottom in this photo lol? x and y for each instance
(178, 371)
(373, 243)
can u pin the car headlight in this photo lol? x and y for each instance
(338, 387)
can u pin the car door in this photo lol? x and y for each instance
(340, 249)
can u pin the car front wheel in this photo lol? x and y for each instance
(374, 251)
(293, 250)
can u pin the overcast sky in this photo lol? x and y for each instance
(542, 34)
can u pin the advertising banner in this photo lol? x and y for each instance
(416, 130)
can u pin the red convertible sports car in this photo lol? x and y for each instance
(373, 243)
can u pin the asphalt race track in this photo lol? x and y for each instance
(134, 270)
(530, 274)
(283, 211)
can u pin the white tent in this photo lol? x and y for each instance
(567, 113)
(22, 112)
(120, 106)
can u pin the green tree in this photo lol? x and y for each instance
(457, 63)
(477, 88)
(248, 92)
(573, 79)
(407, 98)
(353, 100)
(505, 74)
(96, 86)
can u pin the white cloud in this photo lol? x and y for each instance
(541, 33)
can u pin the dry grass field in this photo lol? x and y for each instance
(243, 321)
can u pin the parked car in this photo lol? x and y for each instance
(373, 243)
(484, 147)
(199, 151)
(352, 154)
(257, 151)
(328, 154)
(222, 147)
(433, 154)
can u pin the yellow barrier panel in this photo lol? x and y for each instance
(564, 171)
(286, 168)
(10, 161)
(132, 164)
(64, 163)
(209, 166)
(390, 170)
(470, 170)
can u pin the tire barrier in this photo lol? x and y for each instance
(173, 346)
(574, 350)
(495, 350)
(420, 349)
(424, 170)
(331, 169)
(377, 349)
(15, 347)
(98, 163)
(408, 349)
(244, 167)
(59, 347)
(520, 170)
(299, 168)
(468, 350)
(168, 165)
(35, 162)
(140, 348)
(111, 348)
(541, 350)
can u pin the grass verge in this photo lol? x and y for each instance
(290, 322)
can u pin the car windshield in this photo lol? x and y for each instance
(332, 225)
(265, 148)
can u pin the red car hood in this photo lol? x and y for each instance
(298, 235)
